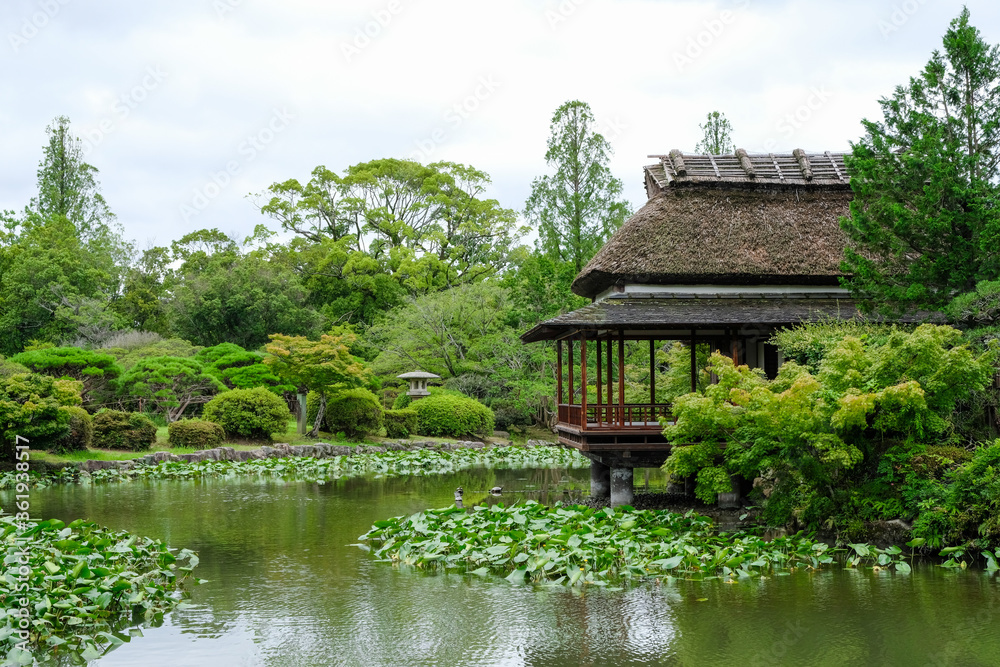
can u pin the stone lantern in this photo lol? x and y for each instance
(418, 383)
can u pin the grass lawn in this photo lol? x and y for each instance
(290, 436)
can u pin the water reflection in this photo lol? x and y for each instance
(286, 588)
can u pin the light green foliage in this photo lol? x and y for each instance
(717, 135)
(248, 413)
(31, 407)
(401, 423)
(196, 433)
(446, 333)
(357, 412)
(132, 348)
(578, 207)
(977, 308)
(817, 434)
(85, 584)
(808, 344)
(322, 366)
(94, 370)
(81, 431)
(170, 385)
(451, 415)
(403, 401)
(8, 368)
(129, 431)
(429, 227)
(241, 369)
(923, 225)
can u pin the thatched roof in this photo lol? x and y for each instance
(660, 312)
(731, 229)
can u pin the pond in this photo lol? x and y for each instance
(286, 587)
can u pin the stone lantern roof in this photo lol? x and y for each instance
(418, 382)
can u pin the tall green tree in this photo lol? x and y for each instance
(61, 260)
(924, 223)
(579, 206)
(716, 135)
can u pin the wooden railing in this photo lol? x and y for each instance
(614, 417)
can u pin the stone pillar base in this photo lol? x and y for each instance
(621, 487)
(600, 480)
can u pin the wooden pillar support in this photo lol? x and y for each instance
(621, 378)
(569, 399)
(559, 372)
(599, 384)
(583, 380)
(652, 372)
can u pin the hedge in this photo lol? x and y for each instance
(196, 433)
(356, 412)
(248, 413)
(130, 431)
(401, 423)
(454, 416)
(81, 431)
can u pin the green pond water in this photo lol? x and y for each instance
(286, 588)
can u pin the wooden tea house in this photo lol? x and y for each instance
(727, 250)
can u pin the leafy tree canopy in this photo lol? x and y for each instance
(924, 225)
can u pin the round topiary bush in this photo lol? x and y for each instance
(81, 431)
(356, 412)
(452, 416)
(196, 433)
(401, 423)
(248, 413)
(130, 431)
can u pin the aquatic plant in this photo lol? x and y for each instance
(80, 589)
(529, 542)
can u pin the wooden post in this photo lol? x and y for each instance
(694, 362)
(583, 380)
(621, 377)
(599, 384)
(569, 399)
(652, 373)
(559, 371)
(610, 402)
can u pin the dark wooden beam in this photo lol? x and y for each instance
(583, 381)
(621, 379)
(559, 372)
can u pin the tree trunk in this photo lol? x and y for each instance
(319, 416)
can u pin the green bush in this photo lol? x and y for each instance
(129, 431)
(81, 431)
(453, 416)
(402, 401)
(401, 423)
(248, 413)
(356, 412)
(511, 415)
(30, 407)
(196, 433)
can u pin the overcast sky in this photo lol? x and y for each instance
(186, 107)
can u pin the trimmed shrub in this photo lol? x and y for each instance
(453, 416)
(402, 401)
(401, 423)
(196, 433)
(129, 431)
(248, 413)
(510, 415)
(81, 431)
(356, 412)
